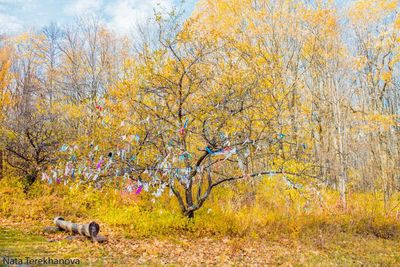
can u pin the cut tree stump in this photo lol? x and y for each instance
(89, 230)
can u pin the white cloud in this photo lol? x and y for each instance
(82, 7)
(10, 21)
(125, 15)
(17, 4)
(9, 24)
(14, 2)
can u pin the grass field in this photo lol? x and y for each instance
(276, 227)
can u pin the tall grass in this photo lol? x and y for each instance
(266, 209)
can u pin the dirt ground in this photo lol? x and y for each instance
(19, 240)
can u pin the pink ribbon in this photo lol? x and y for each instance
(139, 190)
(99, 164)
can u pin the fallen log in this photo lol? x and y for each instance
(51, 229)
(89, 230)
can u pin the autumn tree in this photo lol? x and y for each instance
(4, 94)
(195, 113)
(376, 59)
(30, 132)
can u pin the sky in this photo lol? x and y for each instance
(119, 15)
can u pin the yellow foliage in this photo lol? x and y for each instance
(5, 63)
(387, 76)
(367, 12)
(271, 210)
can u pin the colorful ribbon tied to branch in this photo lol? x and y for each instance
(183, 128)
(99, 164)
(185, 155)
(138, 190)
(209, 151)
(221, 151)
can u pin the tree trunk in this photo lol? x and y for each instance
(190, 214)
(340, 134)
(29, 180)
(1, 164)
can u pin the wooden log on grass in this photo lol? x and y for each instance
(89, 230)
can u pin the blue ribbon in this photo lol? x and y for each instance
(209, 151)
